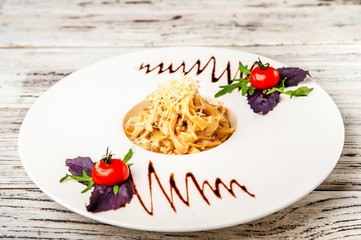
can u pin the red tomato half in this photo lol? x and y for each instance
(264, 79)
(110, 174)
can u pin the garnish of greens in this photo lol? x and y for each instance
(264, 84)
(104, 196)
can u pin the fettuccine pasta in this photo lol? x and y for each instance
(179, 121)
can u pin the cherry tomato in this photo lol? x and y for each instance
(110, 174)
(264, 77)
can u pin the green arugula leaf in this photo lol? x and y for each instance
(84, 178)
(244, 86)
(299, 92)
(241, 83)
(227, 89)
(116, 189)
(251, 90)
(272, 90)
(222, 92)
(90, 185)
(244, 69)
(279, 88)
(128, 156)
(63, 178)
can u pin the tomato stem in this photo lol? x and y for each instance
(261, 65)
(108, 157)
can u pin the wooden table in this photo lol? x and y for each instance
(43, 41)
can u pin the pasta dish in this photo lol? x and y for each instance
(179, 121)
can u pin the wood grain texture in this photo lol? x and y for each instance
(321, 215)
(160, 23)
(43, 41)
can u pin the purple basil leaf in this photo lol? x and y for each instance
(263, 103)
(293, 75)
(76, 166)
(103, 198)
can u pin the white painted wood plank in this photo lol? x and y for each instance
(161, 23)
(114, 6)
(320, 215)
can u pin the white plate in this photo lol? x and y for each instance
(280, 157)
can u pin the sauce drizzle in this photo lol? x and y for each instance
(174, 188)
(197, 65)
